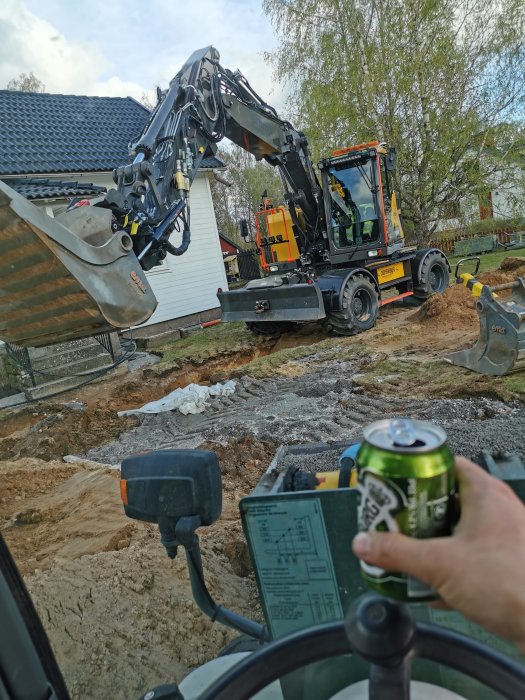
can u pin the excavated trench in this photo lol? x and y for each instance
(109, 597)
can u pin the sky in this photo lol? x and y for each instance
(122, 49)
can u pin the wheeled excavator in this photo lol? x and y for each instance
(83, 272)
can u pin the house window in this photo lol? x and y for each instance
(160, 269)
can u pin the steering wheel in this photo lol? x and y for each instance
(384, 633)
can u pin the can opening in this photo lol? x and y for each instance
(417, 443)
(404, 435)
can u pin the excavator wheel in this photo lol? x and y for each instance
(269, 328)
(433, 277)
(360, 308)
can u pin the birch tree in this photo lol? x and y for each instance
(437, 79)
(249, 179)
(26, 83)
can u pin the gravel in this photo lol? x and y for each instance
(321, 406)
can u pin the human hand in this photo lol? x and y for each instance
(479, 570)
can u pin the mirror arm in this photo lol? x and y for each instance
(183, 534)
(217, 613)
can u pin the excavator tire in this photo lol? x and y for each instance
(360, 308)
(269, 328)
(433, 277)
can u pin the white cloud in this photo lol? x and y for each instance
(115, 87)
(31, 44)
(125, 48)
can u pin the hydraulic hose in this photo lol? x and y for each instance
(173, 250)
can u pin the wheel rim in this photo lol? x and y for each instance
(436, 278)
(362, 305)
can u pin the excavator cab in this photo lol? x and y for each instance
(359, 203)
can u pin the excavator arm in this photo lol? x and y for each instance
(204, 104)
(83, 272)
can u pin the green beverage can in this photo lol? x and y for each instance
(405, 484)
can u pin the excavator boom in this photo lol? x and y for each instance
(82, 273)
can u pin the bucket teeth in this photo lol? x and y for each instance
(59, 283)
(500, 347)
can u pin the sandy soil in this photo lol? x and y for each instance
(108, 595)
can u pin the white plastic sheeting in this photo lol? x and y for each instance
(190, 399)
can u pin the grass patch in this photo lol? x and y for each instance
(278, 363)
(436, 380)
(224, 338)
(488, 261)
(515, 383)
(231, 338)
(283, 362)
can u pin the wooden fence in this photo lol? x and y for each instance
(504, 237)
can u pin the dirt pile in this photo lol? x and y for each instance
(59, 431)
(103, 585)
(53, 511)
(516, 263)
(455, 309)
(509, 270)
(124, 621)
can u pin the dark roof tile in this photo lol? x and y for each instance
(44, 188)
(44, 133)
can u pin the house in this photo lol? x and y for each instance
(504, 197)
(228, 246)
(239, 263)
(57, 147)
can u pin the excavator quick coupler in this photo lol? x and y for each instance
(67, 277)
(500, 347)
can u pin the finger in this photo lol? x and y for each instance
(439, 605)
(427, 560)
(470, 474)
(478, 489)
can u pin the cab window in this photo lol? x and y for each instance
(354, 217)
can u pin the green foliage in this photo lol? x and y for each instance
(26, 83)
(431, 77)
(249, 179)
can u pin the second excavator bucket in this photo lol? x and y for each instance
(500, 347)
(66, 278)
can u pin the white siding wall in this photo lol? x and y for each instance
(188, 284)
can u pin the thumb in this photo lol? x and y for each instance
(424, 559)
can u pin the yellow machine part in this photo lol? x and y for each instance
(330, 480)
(66, 278)
(395, 219)
(280, 224)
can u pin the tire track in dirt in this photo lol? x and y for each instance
(322, 405)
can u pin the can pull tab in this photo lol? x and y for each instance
(403, 433)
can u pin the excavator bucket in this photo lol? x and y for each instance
(500, 347)
(65, 278)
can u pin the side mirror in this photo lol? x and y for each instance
(180, 490)
(390, 161)
(243, 224)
